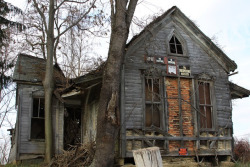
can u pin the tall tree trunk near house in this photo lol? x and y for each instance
(55, 18)
(108, 118)
(49, 85)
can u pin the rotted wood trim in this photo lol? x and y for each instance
(208, 152)
(180, 110)
(84, 116)
(179, 138)
(19, 113)
(177, 76)
(194, 114)
(123, 116)
(166, 142)
(146, 140)
(143, 101)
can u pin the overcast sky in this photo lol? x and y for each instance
(229, 22)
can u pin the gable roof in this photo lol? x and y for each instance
(32, 69)
(195, 33)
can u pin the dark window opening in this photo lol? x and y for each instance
(37, 119)
(205, 105)
(175, 46)
(153, 102)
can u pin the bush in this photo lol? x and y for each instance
(242, 150)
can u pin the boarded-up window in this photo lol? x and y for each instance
(205, 105)
(37, 119)
(175, 45)
(153, 102)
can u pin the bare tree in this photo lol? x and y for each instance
(52, 26)
(76, 53)
(108, 124)
(4, 148)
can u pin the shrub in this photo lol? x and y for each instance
(242, 150)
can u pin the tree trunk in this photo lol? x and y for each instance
(49, 85)
(108, 120)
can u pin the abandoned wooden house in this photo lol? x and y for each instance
(175, 94)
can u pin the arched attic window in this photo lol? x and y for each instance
(175, 46)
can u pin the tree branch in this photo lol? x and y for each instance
(130, 11)
(72, 1)
(76, 22)
(41, 14)
(112, 13)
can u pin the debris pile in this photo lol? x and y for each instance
(76, 156)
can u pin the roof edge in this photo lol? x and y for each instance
(238, 91)
(231, 64)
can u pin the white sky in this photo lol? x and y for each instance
(229, 21)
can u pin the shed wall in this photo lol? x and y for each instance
(26, 146)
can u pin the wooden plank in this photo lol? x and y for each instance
(180, 110)
(32, 147)
(123, 119)
(190, 153)
(177, 138)
(148, 157)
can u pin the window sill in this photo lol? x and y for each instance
(153, 102)
(37, 140)
(177, 55)
(207, 130)
(176, 76)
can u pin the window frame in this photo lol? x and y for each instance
(177, 35)
(212, 105)
(175, 44)
(160, 103)
(37, 117)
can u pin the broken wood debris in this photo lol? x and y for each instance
(76, 156)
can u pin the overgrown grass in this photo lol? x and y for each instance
(239, 164)
(11, 165)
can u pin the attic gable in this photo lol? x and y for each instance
(31, 69)
(175, 16)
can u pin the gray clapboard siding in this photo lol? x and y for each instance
(32, 147)
(26, 145)
(198, 59)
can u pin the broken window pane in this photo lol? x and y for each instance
(37, 128)
(35, 107)
(37, 119)
(153, 100)
(175, 46)
(172, 48)
(172, 40)
(177, 41)
(179, 49)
